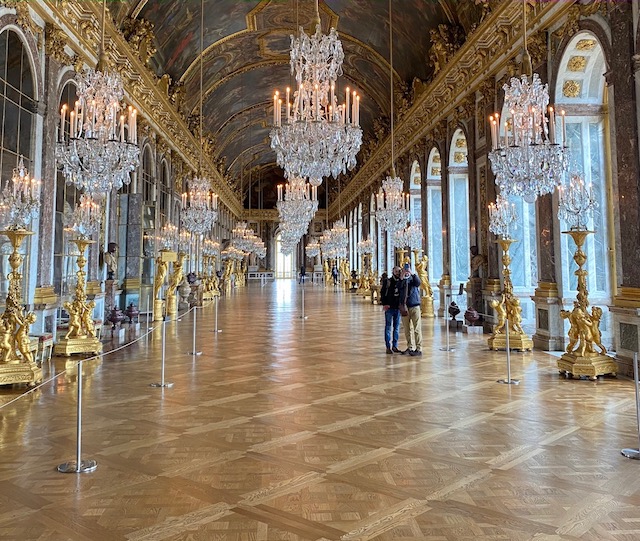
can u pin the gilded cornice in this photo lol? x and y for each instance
(473, 63)
(260, 215)
(80, 21)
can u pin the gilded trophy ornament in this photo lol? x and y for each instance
(81, 336)
(580, 357)
(162, 267)
(426, 303)
(175, 279)
(508, 309)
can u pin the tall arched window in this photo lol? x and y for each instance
(164, 201)
(434, 215)
(459, 211)
(17, 93)
(414, 190)
(580, 87)
(148, 189)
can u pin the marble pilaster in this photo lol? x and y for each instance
(130, 236)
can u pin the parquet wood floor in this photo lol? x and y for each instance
(297, 430)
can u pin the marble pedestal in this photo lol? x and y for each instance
(549, 335)
(590, 365)
(491, 292)
(626, 324)
(445, 294)
(20, 372)
(426, 307)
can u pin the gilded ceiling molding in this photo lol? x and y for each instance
(501, 31)
(55, 43)
(24, 19)
(80, 21)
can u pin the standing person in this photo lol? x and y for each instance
(390, 300)
(410, 294)
(303, 274)
(334, 274)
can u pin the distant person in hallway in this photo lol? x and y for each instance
(390, 300)
(303, 274)
(334, 274)
(409, 293)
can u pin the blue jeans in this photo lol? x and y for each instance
(391, 316)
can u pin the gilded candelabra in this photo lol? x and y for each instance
(580, 357)
(508, 309)
(81, 336)
(422, 270)
(175, 279)
(17, 364)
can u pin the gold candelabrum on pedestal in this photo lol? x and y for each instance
(81, 336)
(422, 270)
(162, 268)
(508, 309)
(175, 279)
(580, 357)
(17, 363)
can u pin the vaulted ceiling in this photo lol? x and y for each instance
(246, 58)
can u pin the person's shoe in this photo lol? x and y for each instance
(396, 350)
(407, 351)
(415, 353)
(389, 351)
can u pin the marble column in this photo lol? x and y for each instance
(130, 236)
(623, 109)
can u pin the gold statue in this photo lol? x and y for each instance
(87, 320)
(161, 274)
(6, 341)
(177, 275)
(326, 269)
(23, 342)
(501, 314)
(75, 322)
(421, 271)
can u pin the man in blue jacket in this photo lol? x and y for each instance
(412, 323)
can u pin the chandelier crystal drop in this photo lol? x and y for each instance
(87, 216)
(97, 145)
(20, 199)
(319, 137)
(576, 203)
(199, 206)
(502, 217)
(392, 205)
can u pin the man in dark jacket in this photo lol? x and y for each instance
(409, 290)
(390, 298)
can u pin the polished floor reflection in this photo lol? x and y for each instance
(301, 430)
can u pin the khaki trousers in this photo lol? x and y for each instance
(412, 325)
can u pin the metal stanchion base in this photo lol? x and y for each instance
(631, 453)
(168, 385)
(86, 466)
(303, 317)
(196, 353)
(448, 349)
(217, 330)
(509, 381)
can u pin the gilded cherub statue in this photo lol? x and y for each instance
(161, 274)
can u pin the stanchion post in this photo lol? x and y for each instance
(216, 298)
(164, 350)
(508, 381)
(303, 317)
(79, 466)
(635, 453)
(447, 298)
(194, 352)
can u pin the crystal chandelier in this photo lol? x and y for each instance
(87, 216)
(576, 203)
(297, 205)
(168, 237)
(528, 160)
(20, 198)
(410, 236)
(502, 217)
(392, 209)
(313, 249)
(366, 247)
(99, 150)
(318, 137)
(199, 206)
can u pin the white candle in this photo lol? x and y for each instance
(279, 112)
(275, 105)
(72, 130)
(552, 126)
(347, 107)
(564, 128)
(333, 89)
(122, 128)
(358, 111)
(353, 108)
(62, 117)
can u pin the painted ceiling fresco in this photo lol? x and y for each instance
(246, 57)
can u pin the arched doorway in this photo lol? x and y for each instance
(284, 262)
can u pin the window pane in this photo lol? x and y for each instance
(14, 60)
(3, 54)
(26, 86)
(10, 136)
(24, 146)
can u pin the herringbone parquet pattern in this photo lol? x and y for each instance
(292, 430)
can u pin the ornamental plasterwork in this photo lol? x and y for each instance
(55, 43)
(571, 89)
(501, 32)
(586, 45)
(577, 63)
(24, 19)
(460, 157)
(578, 11)
(80, 21)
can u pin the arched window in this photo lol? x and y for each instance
(434, 215)
(148, 189)
(17, 93)
(459, 211)
(414, 189)
(164, 202)
(580, 87)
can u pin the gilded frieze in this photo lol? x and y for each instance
(577, 63)
(572, 89)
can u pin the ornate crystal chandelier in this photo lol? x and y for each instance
(199, 206)
(528, 160)
(392, 209)
(168, 237)
(313, 249)
(99, 150)
(576, 203)
(87, 216)
(366, 247)
(318, 137)
(502, 217)
(410, 236)
(20, 198)
(297, 205)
